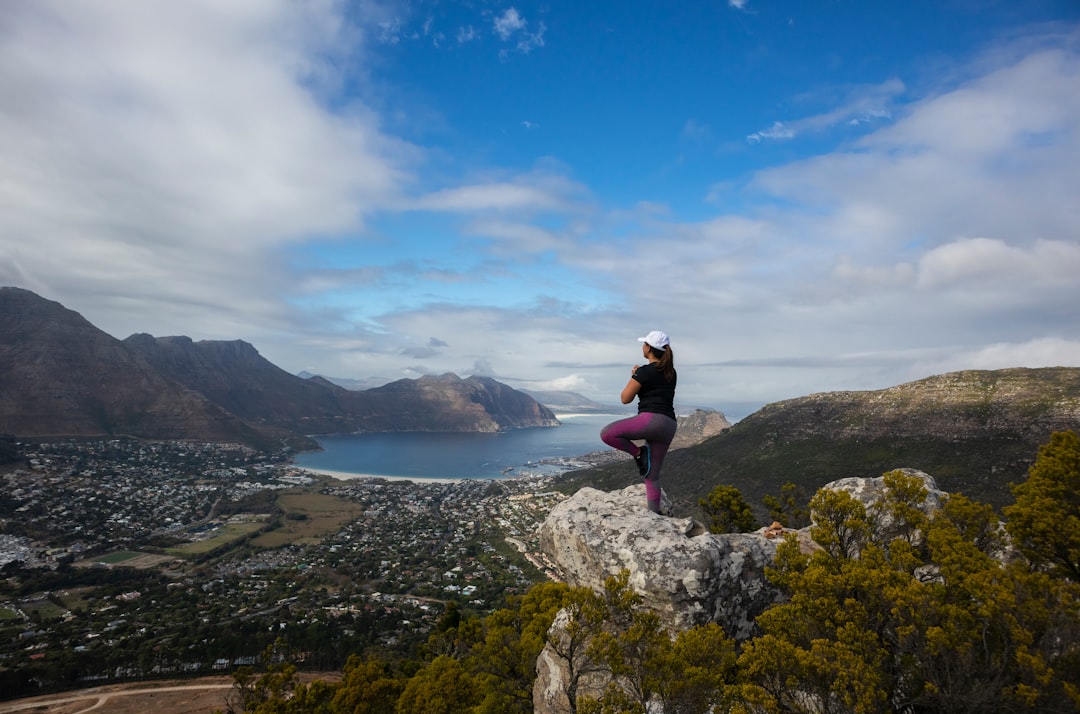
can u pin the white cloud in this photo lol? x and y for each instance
(1015, 107)
(140, 146)
(1042, 352)
(779, 130)
(967, 162)
(866, 278)
(988, 263)
(545, 189)
(1034, 353)
(695, 131)
(491, 196)
(467, 34)
(163, 167)
(523, 237)
(509, 22)
(529, 41)
(915, 251)
(511, 26)
(567, 383)
(898, 256)
(860, 105)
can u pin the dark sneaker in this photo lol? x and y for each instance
(642, 460)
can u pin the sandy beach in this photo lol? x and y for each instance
(346, 476)
(592, 458)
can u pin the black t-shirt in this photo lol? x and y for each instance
(657, 395)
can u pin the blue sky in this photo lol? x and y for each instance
(807, 196)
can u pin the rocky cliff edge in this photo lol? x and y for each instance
(684, 573)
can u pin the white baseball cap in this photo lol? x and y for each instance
(655, 339)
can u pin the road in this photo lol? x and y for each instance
(182, 698)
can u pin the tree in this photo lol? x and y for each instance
(504, 662)
(696, 671)
(822, 650)
(367, 687)
(629, 647)
(976, 522)
(265, 693)
(899, 513)
(313, 698)
(441, 687)
(570, 638)
(913, 615)
(454, 634)
(840, 525)
(786, 509)
(685, 674)
(1045, 520)
(727, 511)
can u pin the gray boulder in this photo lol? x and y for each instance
(870, 490)
(685, 574)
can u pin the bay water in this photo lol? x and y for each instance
(533, 451)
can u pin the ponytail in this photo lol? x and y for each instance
(666, 363)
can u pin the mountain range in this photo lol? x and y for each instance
(62, 376)
(973, 431)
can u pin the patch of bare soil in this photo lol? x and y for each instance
(189, 696)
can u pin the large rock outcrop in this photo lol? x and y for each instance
(699, 425)
(682, 572)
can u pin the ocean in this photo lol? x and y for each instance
(535, 451)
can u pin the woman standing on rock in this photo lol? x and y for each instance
(653, 383)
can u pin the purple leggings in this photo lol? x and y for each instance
(657, 430)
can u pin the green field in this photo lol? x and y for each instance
(305, 518)
(309, 517)
(6, 614)
(227, 534)
(45, 609)
(118, 557)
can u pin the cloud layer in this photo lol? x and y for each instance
(240, 170)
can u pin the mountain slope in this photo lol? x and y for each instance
(433, 403)
(61, 376)
(973, 431)
(234, 375)
(566, 402)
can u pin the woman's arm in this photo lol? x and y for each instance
(630, 390)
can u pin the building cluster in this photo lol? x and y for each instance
(79, 498)
(382, 578)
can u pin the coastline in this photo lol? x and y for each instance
(347, 476)
(563, 464)
(465, 461)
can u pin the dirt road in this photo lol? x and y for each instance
(197, 697)
(192, 696)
